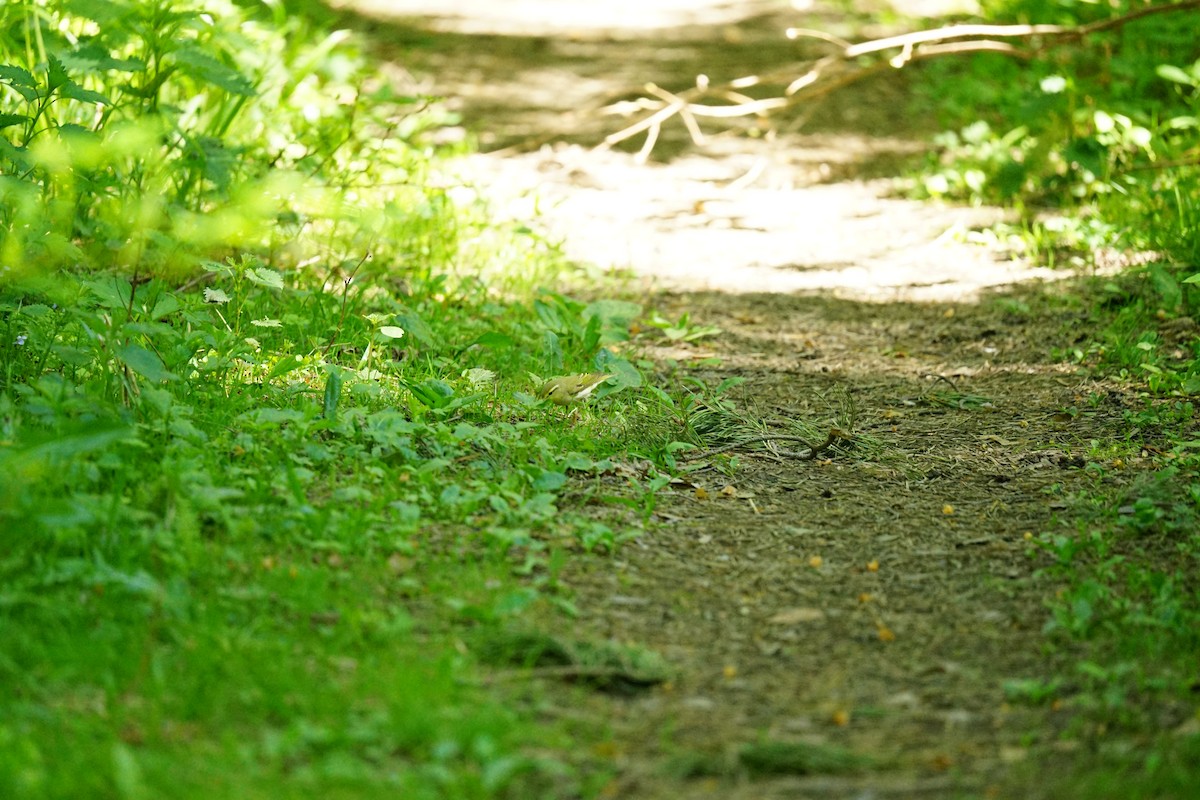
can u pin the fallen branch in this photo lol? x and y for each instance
(812, 452)
(837, 70)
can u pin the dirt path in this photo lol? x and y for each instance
(809, 207)
(876, 600)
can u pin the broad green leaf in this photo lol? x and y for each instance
(626, 374)
(549, 481)
(1176, 75)
(200, 65)
(15, 76)
(550, 316)
(285, 365)
(91, 436)
(112, 292)
(167, 305)
(493, 339)
(1166, 285)
(76, 92)
(479, 377)
(265, 277)
(333, 393)
(93, 59)
(56, 73)
(614, 312)
(145, 363)
(591, 334)
(416, 328)
(97, 10)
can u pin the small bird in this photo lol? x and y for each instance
(568, 389)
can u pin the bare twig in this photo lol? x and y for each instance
(836, 70)
(835, 434)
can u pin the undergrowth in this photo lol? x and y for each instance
(1093, 144)
(270, 443)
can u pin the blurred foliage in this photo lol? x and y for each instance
(149, 135)
(1096, 145)
(261, 398)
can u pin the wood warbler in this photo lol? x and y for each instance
(568, 389)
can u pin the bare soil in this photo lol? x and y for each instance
(878, 597)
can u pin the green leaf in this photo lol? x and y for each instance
(167, 305)
(90, 436)
(112, 292)
(93, 59)
(56, 73)
(203, 67)
(285, 365)
(97, 10)
(127, 773)
(493, 339)
(265, 277)
(1176, 75)
(550, 317)
(145, 363)
(432, 393)
(76, 92)
(8, 120)
(615, 318)
(591, 335)
(626, 374)
(15, 76)
(333, 392)
(415, 327)
(552, 351)
(392, 331)
(549, 481)
(1166, 285)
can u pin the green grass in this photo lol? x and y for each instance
(271, 457)
(271, 462)
(1093, 144)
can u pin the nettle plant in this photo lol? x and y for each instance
(147, 134)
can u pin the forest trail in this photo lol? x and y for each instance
(811, 207)
(876, 600)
